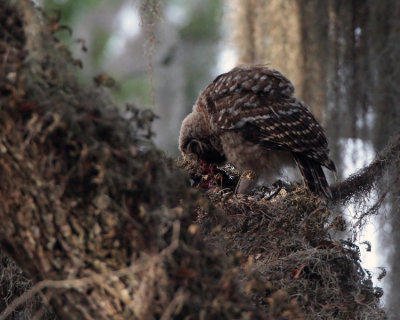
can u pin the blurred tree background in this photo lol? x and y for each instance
(341, 55)
(161, 53)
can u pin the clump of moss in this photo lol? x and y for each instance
(289, 242)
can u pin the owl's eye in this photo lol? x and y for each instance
(195, 149)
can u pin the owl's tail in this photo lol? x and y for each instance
(313, 176)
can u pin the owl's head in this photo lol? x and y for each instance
(196, 140)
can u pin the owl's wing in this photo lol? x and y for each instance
(258, 102)
(277, 123)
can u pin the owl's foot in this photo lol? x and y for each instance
(246, 182)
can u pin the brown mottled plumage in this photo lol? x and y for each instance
(250, 117)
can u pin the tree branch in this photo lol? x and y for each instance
(362, 182)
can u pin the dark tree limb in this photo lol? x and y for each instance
(362, 182)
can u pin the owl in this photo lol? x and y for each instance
(250, 118)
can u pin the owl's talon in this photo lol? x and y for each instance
(281, 184)
(273, 194)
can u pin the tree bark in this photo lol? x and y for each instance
(90, 210)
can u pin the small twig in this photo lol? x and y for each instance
(176, 227)
(176, 301)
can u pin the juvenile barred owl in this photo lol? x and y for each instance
(250, 117)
